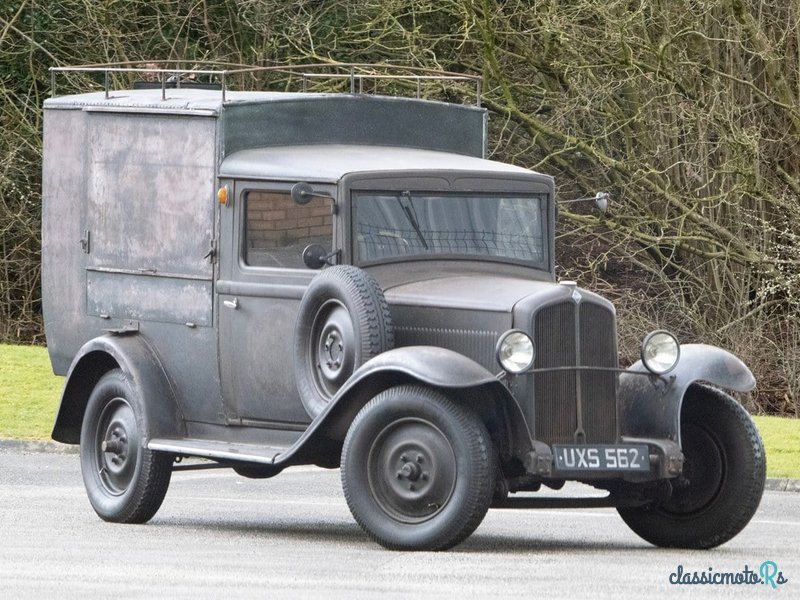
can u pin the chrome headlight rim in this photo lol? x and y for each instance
(661, 337)
(515, 342)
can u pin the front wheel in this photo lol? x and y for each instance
(417, 469)
(125, 482)
(722, 482)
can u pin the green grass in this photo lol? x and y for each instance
(782, 442)
(29, 395)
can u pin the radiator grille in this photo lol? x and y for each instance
(555, 393)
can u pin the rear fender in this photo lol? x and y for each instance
(461, 378)
(136, 358)
(650, 406)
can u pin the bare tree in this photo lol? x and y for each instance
(687, 112)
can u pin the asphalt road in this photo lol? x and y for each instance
(219, 535)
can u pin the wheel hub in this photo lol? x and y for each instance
(117, 446)
(333, 347)
(412, 470)
(333, 350)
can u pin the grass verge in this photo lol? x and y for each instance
(29, 395)
(782, 443)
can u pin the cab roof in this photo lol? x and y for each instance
(330, 162)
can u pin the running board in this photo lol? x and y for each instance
(250, 453)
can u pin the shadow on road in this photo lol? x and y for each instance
(316, 530)
(327, 532)
(499, 544)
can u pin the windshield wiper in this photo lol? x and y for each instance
(408, 209)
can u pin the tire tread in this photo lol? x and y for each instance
(480, 452)
(741, 491)
(147, 491)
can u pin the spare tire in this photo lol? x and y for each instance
(343, 322)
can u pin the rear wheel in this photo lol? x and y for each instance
(417, 469)
(722, 482)
(125, 482)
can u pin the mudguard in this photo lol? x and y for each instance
(433, 366)
(650, 405)
(135, 357)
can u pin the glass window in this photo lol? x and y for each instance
(277, 229)
(392, 225)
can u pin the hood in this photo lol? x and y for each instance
(467, 313)
(472, 292)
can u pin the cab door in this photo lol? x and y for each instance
(262, 280)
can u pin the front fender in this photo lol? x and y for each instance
(136, 358)
(650, 406)
(438, 367)
(428, 365)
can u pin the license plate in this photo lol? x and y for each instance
(602, 457)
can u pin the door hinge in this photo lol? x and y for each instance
(86, 241)
(212, 250)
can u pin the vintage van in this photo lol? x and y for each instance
(268, 279)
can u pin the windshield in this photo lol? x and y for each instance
(396, 225)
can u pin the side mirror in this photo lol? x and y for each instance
(601, 201)
(316, 256)
(302, 193)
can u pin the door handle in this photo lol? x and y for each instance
(234, 304)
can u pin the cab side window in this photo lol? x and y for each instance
(277, 230)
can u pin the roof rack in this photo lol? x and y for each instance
(172, 74)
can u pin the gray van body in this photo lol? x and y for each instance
(159, 260)
(136, 245)
(131, 224)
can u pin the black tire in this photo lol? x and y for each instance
(418, 471)
(723, 477)
(343, 321)
(125, 482)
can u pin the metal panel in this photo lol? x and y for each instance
(355, 119)
(63, 225)
(472, 332)
(475, 344)
(256, 341)
(165, 299)
(151, 192)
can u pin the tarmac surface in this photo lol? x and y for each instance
(780, 484)
(219, 535)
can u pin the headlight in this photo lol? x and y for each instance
(515, 351)
(660, 352)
